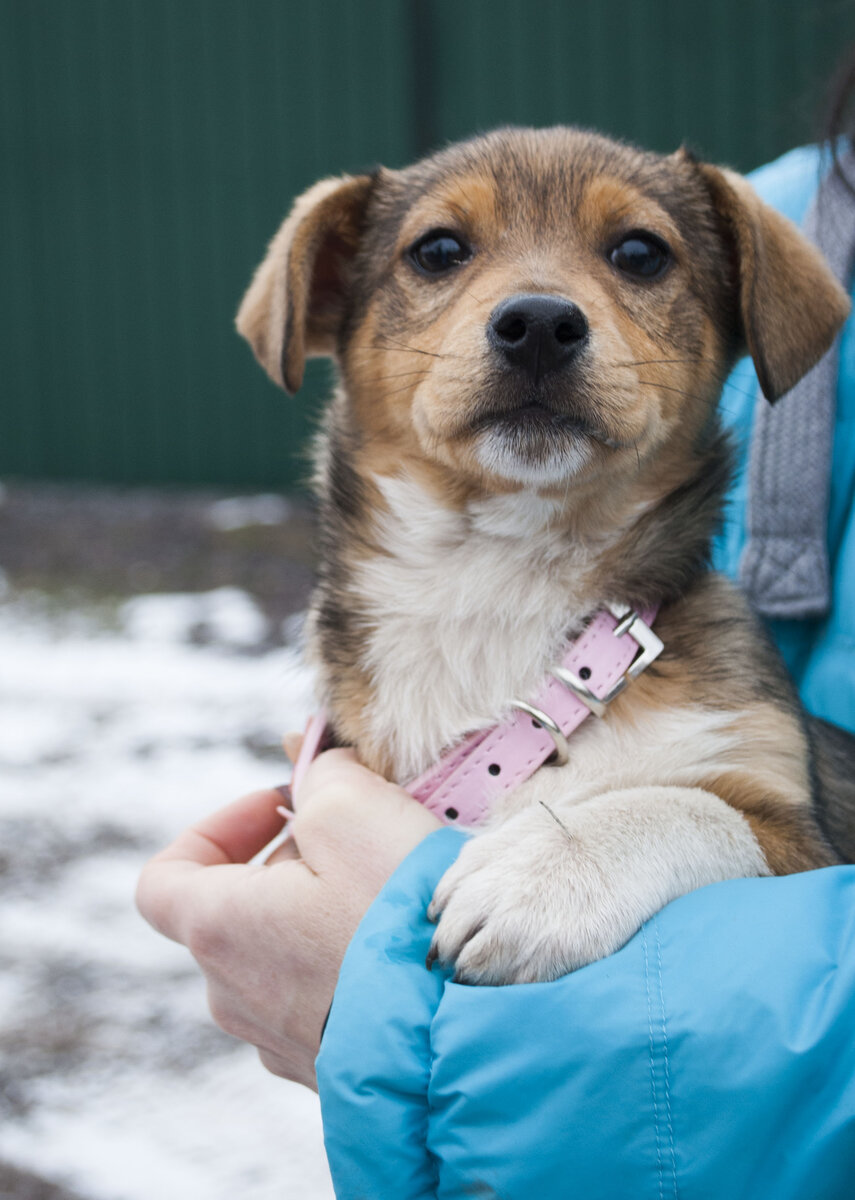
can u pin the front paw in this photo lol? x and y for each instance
(524, 903)
(546, 893)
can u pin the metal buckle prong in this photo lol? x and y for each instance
(562, 750)
(580, 690)
(624, 616)
(628, 621)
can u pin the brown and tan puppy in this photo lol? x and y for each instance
(532, 330)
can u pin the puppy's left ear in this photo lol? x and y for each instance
(790, 305)
(297, 299)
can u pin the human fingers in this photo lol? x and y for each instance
(233, 834)
(331, 770)
(165, 891)
(291, 744)
(285, 852)
(350, 821)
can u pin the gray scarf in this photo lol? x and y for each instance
(785, 569)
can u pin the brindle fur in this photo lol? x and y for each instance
(540, 208)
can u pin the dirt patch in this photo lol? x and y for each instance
(23, 1185)
(33, 854)
(108, 541)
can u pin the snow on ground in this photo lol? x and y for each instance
(118, 728)
(238, 512)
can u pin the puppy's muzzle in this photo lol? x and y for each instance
(537, 333)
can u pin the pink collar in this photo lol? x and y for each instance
(461, 788)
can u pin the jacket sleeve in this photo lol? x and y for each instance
(375, 1061)
(712, 1056)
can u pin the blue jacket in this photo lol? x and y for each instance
(713, 1056)
(819, 653)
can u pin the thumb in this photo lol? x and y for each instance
(291, 744)
(336, 772)
(349, 814)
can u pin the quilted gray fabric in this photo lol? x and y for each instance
(784, 568)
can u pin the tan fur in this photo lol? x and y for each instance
(285, 313)
(458, 560)
(781, 269)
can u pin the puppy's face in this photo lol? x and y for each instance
(537, 293)
(538, 308)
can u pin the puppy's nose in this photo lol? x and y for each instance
(536, 332)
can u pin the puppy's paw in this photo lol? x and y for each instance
(552, 890)
(523, 903)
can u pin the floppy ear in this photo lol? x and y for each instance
(295, 303)
(791, 306)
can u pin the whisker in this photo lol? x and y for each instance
(393, 344)
(407, 387)
(405, 374)
(668, 388)
(369, 355)
(648, 362)
(741, 391)
(694, 395)
(409, 350)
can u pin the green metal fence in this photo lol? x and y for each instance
(150, 148)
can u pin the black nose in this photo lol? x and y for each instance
(537, 333)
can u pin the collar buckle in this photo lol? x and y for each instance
(650, 646)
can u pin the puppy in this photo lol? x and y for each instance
(532, 330)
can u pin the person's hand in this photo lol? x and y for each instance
(271, 937)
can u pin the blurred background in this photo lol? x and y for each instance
(156, 541)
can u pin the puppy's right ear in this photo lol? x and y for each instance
(295, 303)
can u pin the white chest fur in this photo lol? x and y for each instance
(467, 610)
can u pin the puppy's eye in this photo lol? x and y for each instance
(640, 254)
(439, 251)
